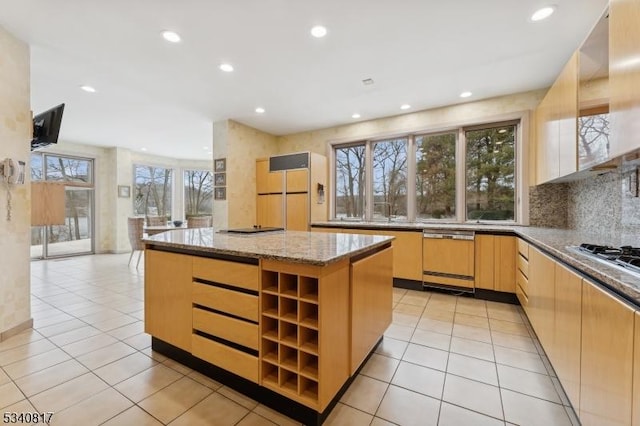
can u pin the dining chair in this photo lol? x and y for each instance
(156, 220)
(199, 222)
(136, 227)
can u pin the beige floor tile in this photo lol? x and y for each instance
(343, 415)
(114, 323)
(103, 314)
(274, 416)
(50, 377)
(473, 395)
(426, 356)
(68, 393)
(377, 421)
(391, 347)
(54, 319)
(431, 339)
(89, 345)
(452, 415)
(409, 309)
(472, 348)
(180, 368)
(519, 409)
(380, 367)
(204, 380)
(419, 379)
(365, 394)
(238, 398)
(4, 378)
(509, 327)
(24, 351)
(213, 410)
(128, 330)
(407, 320)
(476, 310)
(415, 298)
(473, 368)
(505, 315)
(472, 320)
(472, 333)
(512, 341)
(399, 332)
(438, 313)
(533, 384)
(62, 327)
(170, 402)
(94, 410)
(133, 416)
(23, 406)
(148, 382)
(75, 335)
(408, 408)
(20, 339)
(36, 363)
(252, 419)
(156, 356)
(139, 341)
(444, 327)
(519, 359)
(124, 368)
(106, 355)
(10, 394)
(448, 305)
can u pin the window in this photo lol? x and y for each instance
(350, 181)
(593, 137)
(490, 170)
(198, 193)
(390, 179)
(456, 175)
(67, 169)
(436, 176)
(152, 192)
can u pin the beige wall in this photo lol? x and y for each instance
(15, 134)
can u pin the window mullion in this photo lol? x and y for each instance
(368, 179)
(411, 179)
(461, 177)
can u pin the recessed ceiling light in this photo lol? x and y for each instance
(260, 110)
(171, 36)
(465, 94)
(143, 149)
(88, 89)
(226, 67)
(405, 106)
(319, 31)
(356, 115)
(542, 13)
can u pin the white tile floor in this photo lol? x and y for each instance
(445, 360)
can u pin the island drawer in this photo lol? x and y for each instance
(523, 248)
(225, 357)
(234, 330)
(225, 272)
(523, 265)
(221, 299)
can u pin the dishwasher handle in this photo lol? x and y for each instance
(454, 235)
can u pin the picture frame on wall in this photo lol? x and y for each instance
(124, 191)
(220, 193)
(220, 165)
(220, 179)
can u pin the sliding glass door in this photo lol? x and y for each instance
(75, 236)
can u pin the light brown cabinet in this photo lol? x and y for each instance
(448, 261)
(624, 76)
(607, 358)
(541, 307)
(556, 126)
(495, 268)
(636, 373)
(167, 296)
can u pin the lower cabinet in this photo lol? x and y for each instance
(636, 373)
(495, 262)
(607, 359)
(541, 307)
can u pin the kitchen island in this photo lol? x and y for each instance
(285, 317)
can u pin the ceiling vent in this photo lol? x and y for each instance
(367, 81)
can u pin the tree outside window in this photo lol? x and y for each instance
(152, 191)
(390, 179)
(350, 175)
(436, 176)
(198, 193)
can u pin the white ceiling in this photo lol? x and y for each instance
(164, 97)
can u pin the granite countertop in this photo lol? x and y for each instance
(311, 248)
(556, 242)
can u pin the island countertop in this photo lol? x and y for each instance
(311, 248)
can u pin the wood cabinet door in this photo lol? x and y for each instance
(298, 212)
(275, 182)
(297, 180)
(567, 337)
(485, 262)
(624, 76)
(505, 263)
(568, 117)
(448, 256)
(547, 133)
(167, 297)
(541, 297)
(275, 213)
(262, 173)
(607, 358)
(261, 209)
(636, 373)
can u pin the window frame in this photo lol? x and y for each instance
(172, 192)
(521, 168)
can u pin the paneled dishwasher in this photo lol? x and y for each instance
(448, 259)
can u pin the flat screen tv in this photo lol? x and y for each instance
(46, 127)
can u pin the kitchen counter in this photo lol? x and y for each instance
(288, 246)
(551, 240)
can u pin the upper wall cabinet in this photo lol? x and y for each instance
(556, 125)
(624, 75)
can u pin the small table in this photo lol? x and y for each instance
(153, 230)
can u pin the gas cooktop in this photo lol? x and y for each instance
(626, 258)
(254, 230)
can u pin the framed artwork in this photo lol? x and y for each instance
(220, 165)
(220, 194)
(220, 179)
(124, 191)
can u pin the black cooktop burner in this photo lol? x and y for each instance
(626, 256)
